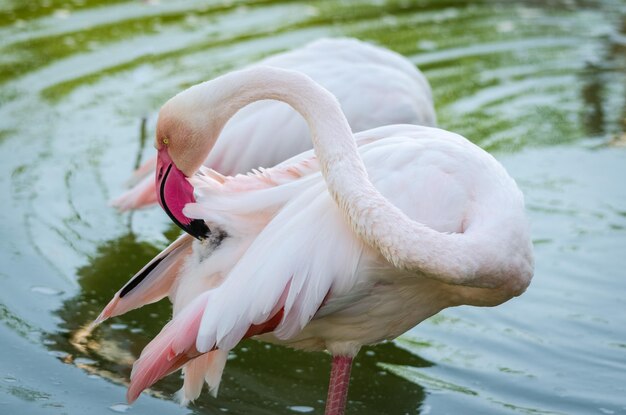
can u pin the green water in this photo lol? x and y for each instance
(541, 84)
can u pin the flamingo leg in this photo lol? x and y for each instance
(338, 387)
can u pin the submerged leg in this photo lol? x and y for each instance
(338, 387)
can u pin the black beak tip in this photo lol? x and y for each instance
(198, 229)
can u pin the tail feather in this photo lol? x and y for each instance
(213, 375)
(207, 367)
(153, 282)
(142, 194)
(146, 169)
(172, 348)
(194, 372)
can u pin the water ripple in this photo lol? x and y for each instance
(80, 78)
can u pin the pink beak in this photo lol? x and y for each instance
(174, 192)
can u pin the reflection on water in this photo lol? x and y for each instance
(530, 80)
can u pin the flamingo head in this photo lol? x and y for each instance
(184, 137)
(174, 192)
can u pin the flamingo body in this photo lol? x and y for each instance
(341, 290)
(350, 244)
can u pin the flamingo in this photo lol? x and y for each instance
(351, 244)
(375, 87)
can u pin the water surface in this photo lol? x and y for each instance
(542, 85)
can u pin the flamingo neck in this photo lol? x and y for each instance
(224, 96)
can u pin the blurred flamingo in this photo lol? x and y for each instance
(375, 87)
(330, 250)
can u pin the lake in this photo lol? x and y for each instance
(539, 84)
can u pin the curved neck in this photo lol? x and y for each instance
(224, 96)
(405, 243)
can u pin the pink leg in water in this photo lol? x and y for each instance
(338, 387)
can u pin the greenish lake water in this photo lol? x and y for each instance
(540, 84)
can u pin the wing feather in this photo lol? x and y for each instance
(302, 251)
(152, 283)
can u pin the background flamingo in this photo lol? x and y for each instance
(331, 251)
(375, 87)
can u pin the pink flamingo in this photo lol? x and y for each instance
(330, 250)
(374, 86)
